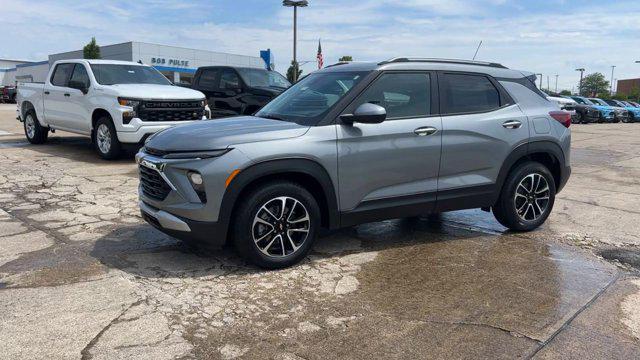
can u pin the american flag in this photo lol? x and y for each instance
(319, 57)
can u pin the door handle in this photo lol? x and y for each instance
(424, 131)
(512, 124)
(47, 93)
(67, 94)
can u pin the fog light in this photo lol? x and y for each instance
(195, 178)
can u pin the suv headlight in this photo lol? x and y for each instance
(196, 154)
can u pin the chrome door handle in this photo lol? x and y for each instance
(512, 124)
(424, 131)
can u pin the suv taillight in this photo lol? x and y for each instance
(562, 117)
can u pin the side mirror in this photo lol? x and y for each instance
(367, 114)
(78, 85)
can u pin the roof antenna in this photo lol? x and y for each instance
(476, 54)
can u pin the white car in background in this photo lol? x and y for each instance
(114, 102)
(565, 104)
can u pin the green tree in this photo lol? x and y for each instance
(91, 50)
(294, 72)
(634, 94)
(565, 92)
(594, 84)
(346, 58)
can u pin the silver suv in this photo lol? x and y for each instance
(356, 143)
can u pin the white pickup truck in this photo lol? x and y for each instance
(114, 102)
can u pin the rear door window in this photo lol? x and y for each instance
(467, 93)
(60, 76)
(229, 79)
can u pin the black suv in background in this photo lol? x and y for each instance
(234, 91)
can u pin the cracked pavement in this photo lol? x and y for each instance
(82, 276)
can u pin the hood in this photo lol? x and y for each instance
(155, 92)
(603, 108)
(267, 91)
(220, 134)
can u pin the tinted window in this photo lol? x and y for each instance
(402, 95)
(208, 79)
(229, 79)
(61, 74)
(468, 93)
(80, 74)
(112, 74)
(311, 98)
(263, 78)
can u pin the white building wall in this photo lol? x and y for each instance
(32, 73)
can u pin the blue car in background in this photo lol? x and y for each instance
(634, 112)
(620, 113)
(607, 113)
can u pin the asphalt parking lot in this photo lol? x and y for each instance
(82, 276)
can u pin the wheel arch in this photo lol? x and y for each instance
(547, 153)
(305, 172)
(97, 114)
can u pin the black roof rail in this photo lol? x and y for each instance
(337, 64)
(446, 61)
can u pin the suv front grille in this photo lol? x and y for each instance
(155, 111)
(153, 185)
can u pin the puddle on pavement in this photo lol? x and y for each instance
(459, 291)
(625, 256)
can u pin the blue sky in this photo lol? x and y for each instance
(548, 36)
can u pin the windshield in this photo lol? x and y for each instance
(312, 97)
(599, 102)
(581, 100)
(263, 78)
(111, 74)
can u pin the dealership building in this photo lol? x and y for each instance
(628, 86)
(178, 64)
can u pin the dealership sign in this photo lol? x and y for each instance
(169, 62)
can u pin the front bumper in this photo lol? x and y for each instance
(210, 234)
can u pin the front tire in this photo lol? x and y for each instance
(35, 133)
(527, 197)
(105, 139)
(276, 225)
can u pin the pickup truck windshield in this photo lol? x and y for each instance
(263, 78)
(112, 74)
(311, 98)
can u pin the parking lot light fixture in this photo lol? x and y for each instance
(295, 4)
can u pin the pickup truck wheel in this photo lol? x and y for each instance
(35, 133)
(527, 197)
(106, 140)
(276, 224)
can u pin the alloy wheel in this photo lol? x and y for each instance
(280, 227)
(103, 137)
(30, 126)
(532, 197)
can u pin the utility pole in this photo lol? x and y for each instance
(581, 74)
(548, 87)
(611, 89)
(295, 5)
(557, 83)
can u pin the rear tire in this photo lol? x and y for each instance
(35, 133)
(272, 238)
(105, 139)
(527, 197)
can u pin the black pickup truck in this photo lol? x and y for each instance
(234, 90)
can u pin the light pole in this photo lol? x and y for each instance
(295, 5)
(611, 89)
(580, 87)
(557, 83)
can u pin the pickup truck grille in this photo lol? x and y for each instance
(170, 110)
(153, 185)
